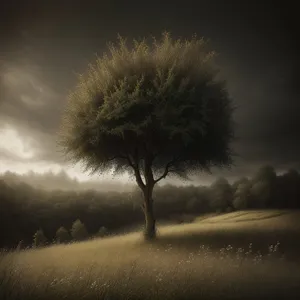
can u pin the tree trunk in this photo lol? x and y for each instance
(150, 228)
(147, 189)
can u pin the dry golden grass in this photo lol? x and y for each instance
(204, 260)
(245, 216)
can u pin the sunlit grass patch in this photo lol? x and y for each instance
(243, 216)
(191, 261)
(146, 271)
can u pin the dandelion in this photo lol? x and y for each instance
(105, 285)
(229, 248)
(54, 282)
(276, 246)
(159, 277)
(93, 285)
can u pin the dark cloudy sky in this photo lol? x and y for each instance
(44, 43)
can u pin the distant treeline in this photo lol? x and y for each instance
(62, 181)
(28, 213)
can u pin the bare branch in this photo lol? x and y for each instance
(117, 156)
(139, 179)
(167, 170)
(164, 174)
(130, 161)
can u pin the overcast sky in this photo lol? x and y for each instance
(45, 43)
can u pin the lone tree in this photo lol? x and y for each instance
(151, 110)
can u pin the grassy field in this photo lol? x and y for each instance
(240, 255)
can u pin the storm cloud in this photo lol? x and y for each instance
(44, 45)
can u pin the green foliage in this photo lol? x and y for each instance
(265, 173)
(62, 235)
(39, 239)
(242, 195)
(79, 231)
(222, 195)
(191, 204)
(102, 232)
(261, 190)
(238, 182)
(158, 103)
(293, 175)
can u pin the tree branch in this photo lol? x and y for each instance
(117, 156)
(139, 179)
(135, 167)
(167, 170)
(164, 174)
(147, 168)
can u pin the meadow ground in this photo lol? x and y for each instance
(240, 255)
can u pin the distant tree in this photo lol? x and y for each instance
(288, 190)
(39, 239)
(222, 195)
(62, 235)
(293, 177)
(265, 173)
(20, 245)
(238, 182)
(264, 183)
(191, 204)
(79, 231)
(102, 232)
(260, 192)
(242, 195)
(152, 111)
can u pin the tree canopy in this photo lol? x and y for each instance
(159, 105)
(150, 110)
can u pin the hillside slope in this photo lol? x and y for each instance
(179, 265)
